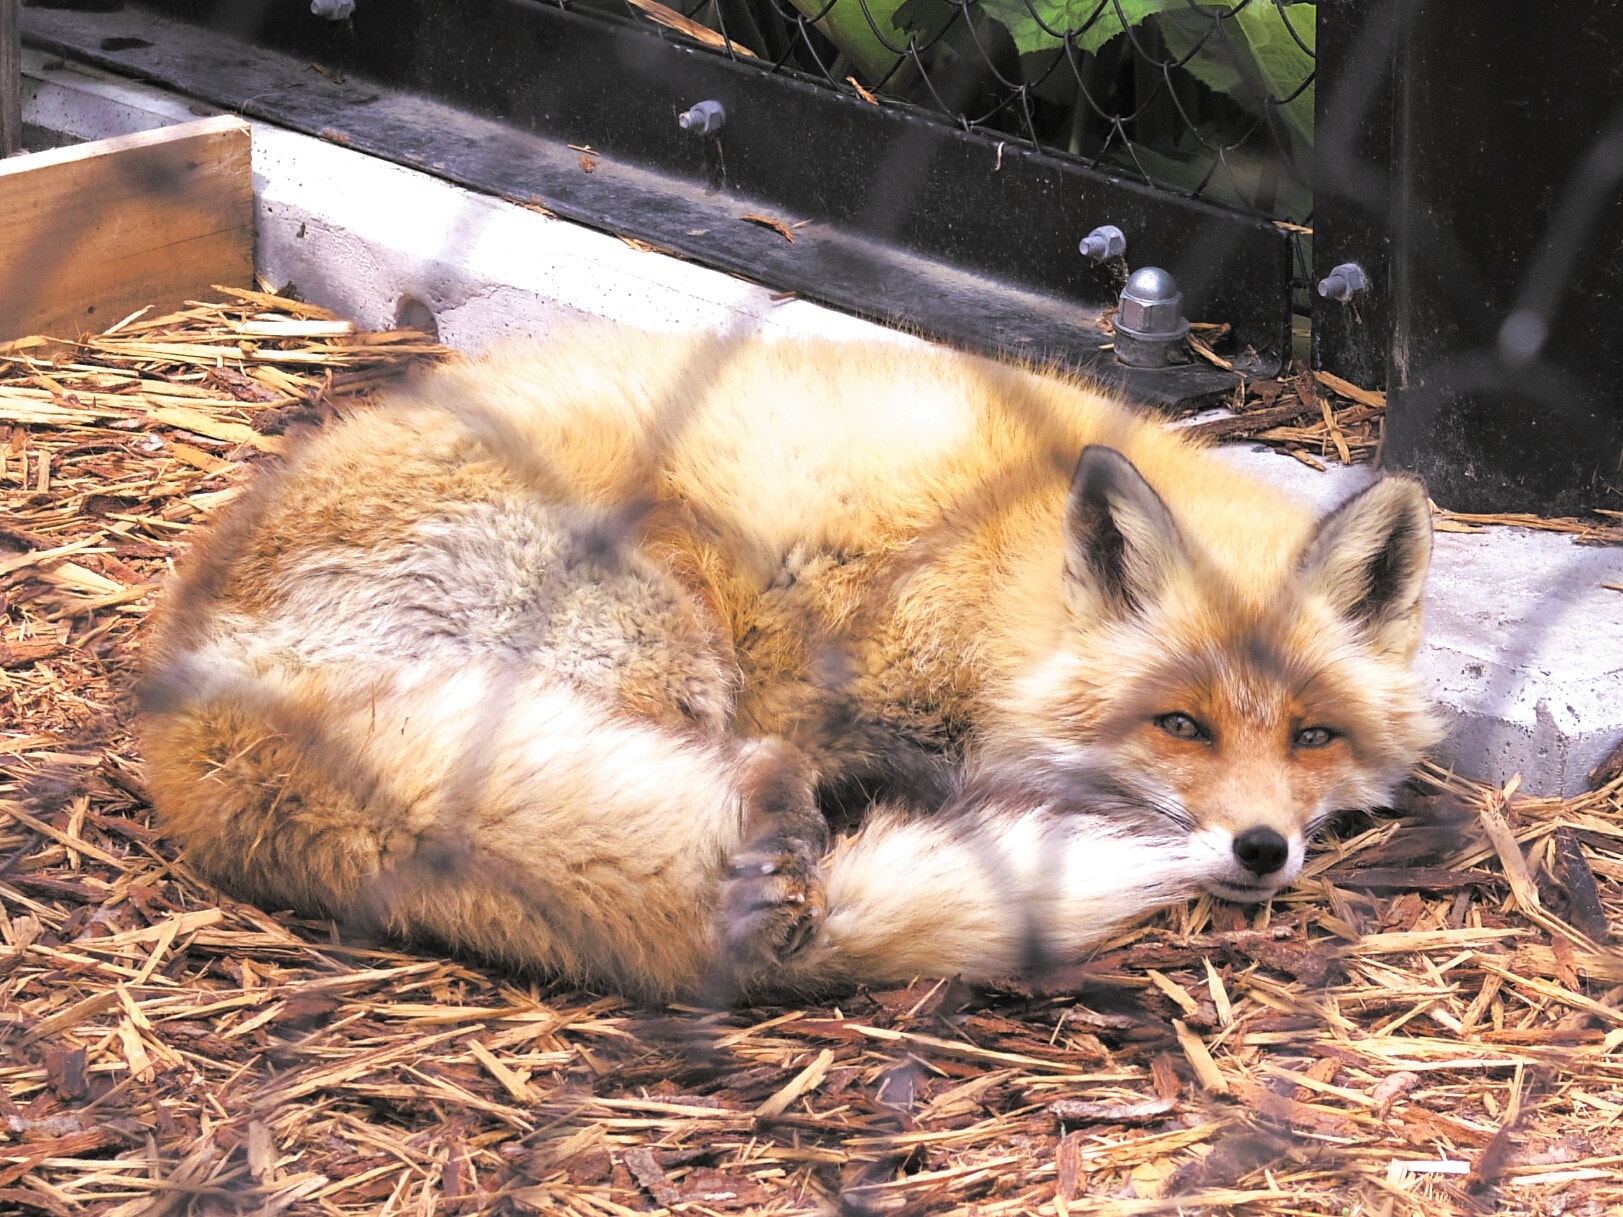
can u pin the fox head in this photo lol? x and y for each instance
(1244, 710)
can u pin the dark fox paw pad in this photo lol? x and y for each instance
(772, 905)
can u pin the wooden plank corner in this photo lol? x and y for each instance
(91, 232)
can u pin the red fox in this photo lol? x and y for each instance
(567, 656)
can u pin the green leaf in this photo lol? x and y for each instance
(1252, 57)
(847, 27)
(1061, 15)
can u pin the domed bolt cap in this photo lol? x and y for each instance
(1150, 325)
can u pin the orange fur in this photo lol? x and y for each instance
(520, 659)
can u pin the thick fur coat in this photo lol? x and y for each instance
(565, 657)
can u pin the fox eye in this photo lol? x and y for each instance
(1313, 737)
(1181, 726)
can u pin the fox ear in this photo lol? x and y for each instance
(1121, 544)
(1369, 559)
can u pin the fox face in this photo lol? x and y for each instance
(1244, 712)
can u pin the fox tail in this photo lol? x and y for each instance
(985, 893)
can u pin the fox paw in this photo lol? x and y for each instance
(772, 905)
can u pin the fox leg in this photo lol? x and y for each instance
(772, 903)
(983, 893)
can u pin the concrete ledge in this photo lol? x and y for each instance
(1524, 646)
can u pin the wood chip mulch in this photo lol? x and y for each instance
(1429, 1022)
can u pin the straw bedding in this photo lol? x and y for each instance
(1427, 1023)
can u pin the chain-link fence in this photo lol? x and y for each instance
(1211, 100)
(1206, 101)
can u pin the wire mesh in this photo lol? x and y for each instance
(1213, 101)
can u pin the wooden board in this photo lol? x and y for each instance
(90, 233)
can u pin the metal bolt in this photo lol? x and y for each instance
(1343, 282)
(705, 118)
(333, 10)
(1150, 325)
(1105, 241)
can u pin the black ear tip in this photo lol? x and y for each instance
(1404, 480)
(1100, 456)
(1406, 489)
(1099, 470)
(1391, 491)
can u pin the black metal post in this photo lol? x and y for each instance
(1507, 275)
(1360, 49)
(11, 78)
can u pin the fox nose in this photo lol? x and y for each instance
(1261, 851)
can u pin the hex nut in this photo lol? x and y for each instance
(704, 118)
(1344, 282)
(1104, 242)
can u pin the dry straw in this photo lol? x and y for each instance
(1428, 1023)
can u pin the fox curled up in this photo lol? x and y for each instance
(569, 657)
